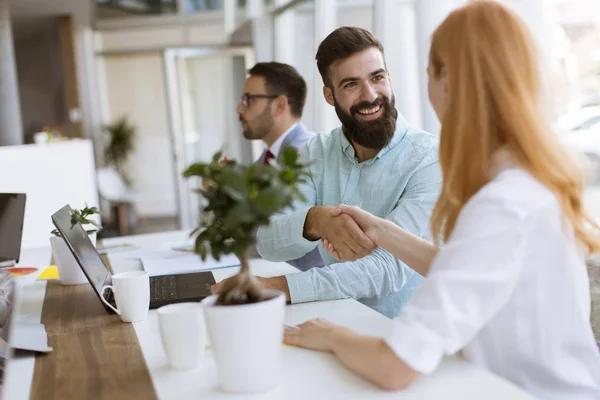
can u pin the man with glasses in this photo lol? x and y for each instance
(270, 110)
(271, 107)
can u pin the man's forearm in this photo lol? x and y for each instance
(282, 239)
(376, 275)
(276, 283)
(311, 224)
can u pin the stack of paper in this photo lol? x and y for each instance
(168, 262)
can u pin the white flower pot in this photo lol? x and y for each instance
(69, 271)
(247, 341)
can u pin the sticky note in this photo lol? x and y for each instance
(49, 273)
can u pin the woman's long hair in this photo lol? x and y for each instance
(493, 102)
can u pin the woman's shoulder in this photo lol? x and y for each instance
(516, 190)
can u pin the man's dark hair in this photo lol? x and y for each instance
(340, 44)
(283, 79)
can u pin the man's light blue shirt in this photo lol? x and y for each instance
(401, 184)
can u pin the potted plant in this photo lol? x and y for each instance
(245, 322)
(69, 272)
(121, 144)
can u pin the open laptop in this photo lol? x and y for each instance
(12, 214)
(164, 290)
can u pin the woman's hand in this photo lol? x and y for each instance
(368, 356)
(315, 334)
(368, 223)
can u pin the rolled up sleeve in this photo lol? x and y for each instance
(378, 274)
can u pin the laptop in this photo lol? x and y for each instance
(167, 289)
(12, 214)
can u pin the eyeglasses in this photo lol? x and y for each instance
(247, 98)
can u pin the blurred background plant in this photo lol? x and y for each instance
(122, 137)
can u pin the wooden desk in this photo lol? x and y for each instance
(95, 356)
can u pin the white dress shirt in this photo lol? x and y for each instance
(276, 146)
(510, 291)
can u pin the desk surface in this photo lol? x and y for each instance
(307, 374)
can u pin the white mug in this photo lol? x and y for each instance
(183, 333)
(132, 295)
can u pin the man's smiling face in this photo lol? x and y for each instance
(361, 93)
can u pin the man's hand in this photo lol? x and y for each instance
(340, 229)
(276, 283)
(368, 223)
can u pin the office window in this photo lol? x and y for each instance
(106, 9)
(575, 88)
(194, 6)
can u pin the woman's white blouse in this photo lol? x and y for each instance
(510, 290)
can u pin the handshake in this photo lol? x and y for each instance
(347, 232)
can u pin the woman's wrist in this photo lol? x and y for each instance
(381, 231)
(336, 336)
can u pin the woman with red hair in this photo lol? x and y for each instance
(509, 288)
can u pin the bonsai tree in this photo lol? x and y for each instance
(121, 144)
(240, 199)
(81, 216)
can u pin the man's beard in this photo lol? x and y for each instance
(261, 126)
(375, 134)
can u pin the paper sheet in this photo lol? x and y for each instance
(30, 336)
(171, 263)
(115, 248)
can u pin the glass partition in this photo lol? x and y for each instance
(106, 9)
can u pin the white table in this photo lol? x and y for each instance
(307, 374)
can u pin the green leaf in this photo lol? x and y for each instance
(217, 157)
(268, 201)
(195, 170)
(289, 156)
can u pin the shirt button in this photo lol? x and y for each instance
(345, 201)
(356, 167)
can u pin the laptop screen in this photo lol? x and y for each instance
(12, 213)
(82, 248)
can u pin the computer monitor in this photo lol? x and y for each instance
(12, 214)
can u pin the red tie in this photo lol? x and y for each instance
(268, 157)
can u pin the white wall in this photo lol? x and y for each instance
(135, 86)
(133, 35)
(51, 175)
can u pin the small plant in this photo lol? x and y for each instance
(81, 216)
(121, 144)
(240, 199)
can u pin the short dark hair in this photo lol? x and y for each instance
(341, 44)
(283, 79)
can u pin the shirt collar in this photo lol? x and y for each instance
(401, 129)
(276, 146)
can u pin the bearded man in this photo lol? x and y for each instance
(375, 161)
